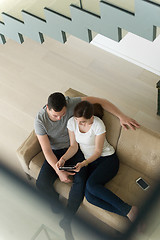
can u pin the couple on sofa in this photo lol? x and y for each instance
(70, 134)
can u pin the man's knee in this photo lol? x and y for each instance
(40, 184)
(43, 184)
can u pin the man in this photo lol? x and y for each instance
(51, 130)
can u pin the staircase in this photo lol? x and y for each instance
(81, 18)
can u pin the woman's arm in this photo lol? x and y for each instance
(99, 142)
(71, 150)
(125, 121)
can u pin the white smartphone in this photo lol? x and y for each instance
(142, 183)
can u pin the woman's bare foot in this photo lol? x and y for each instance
(132, 213)
(141, 228)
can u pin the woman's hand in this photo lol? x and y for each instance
(79, 166)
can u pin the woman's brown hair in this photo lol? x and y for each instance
(98, 110)
(84, 109)
(87, 110)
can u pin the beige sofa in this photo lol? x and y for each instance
(139, 154)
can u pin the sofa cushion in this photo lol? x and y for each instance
(36, 164)
(114, 220)
(140, 150)
(124, 185)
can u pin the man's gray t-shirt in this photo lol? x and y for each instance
(56, 130)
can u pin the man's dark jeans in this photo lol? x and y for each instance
(48, 176)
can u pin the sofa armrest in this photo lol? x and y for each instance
(28, 150)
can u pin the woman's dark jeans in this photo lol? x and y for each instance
(102, 171)
(48, 176)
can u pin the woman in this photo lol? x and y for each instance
(89, 132)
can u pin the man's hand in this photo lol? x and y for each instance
(64, 175)
(125, 121)
(60, 163)
(128, 122)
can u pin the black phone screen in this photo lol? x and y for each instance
(142, 183)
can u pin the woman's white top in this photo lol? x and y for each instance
(87, 140)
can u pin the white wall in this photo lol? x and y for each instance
(134, 49)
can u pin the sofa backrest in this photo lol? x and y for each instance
(111, 122)
(140, 149)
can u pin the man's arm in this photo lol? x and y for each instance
(125, 121)
(46, 148)
(51, 158)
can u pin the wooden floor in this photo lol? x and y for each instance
(30, 72)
